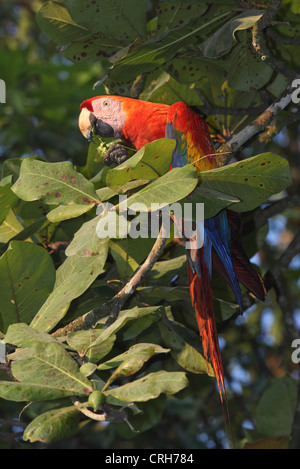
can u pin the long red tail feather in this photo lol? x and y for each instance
(202, 301)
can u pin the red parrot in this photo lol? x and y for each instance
(137, 123)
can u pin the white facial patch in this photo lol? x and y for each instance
(110, 111)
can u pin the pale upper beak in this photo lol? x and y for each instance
(86, 122)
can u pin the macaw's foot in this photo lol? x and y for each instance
(115, 154)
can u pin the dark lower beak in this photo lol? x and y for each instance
(103, 129)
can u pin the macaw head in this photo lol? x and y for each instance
(103, 116)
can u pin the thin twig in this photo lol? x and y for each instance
(112, 307)
(260, 45)
(260, 123)
(275, 208)
(285, 40)
(88, 413)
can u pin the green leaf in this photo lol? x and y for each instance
(55, 21)
(7, 200)
(213, 200)
(106, 193)
(163, 271)
(185, 347)
(135, 328)
(117, 25)
(10, 227)
(150, 414)
(150, 162)
(94, 160)
(65, 212)
(123, 318)
(73, 278)
(27, 276)
(46, 372)
(153, 295)
(224, 38)
(246, 72)
(155, 52)
(275, 442)
(128, 253)
(87, 369)
(120, 20)
(130, 362)
(86, 241)
(171, 187)
(92, 48)
(150, 386)
(23, 335)
(25, 233)
(166, 89)
(54, 183)
(140, 352)
(11, 167)
(276, 409)
(192, 69)
(172, 14)
(82, 340)
(253, 180)
(53, 425)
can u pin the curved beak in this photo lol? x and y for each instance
(86, 122)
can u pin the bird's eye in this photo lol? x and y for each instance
(105, 103)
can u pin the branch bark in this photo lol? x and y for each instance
(225, 151)
(260, 44)
(261, 217)
(112, 307)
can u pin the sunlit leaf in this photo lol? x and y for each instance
(150, 386)
(27, 277)
(224, 38)
(53, 183)
(253, 180)
(53, 425)
(150, 162)
(73, 278)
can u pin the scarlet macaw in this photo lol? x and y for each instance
(139, 122)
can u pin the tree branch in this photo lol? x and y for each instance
(224, 153)
(285, 40)
(275, 208)
(260, 45)
(283, 262)
(112, 307)
(274, 279)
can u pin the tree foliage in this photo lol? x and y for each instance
(143, 369)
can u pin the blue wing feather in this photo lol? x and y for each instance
(217, 233)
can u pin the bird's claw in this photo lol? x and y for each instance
(116, 154)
